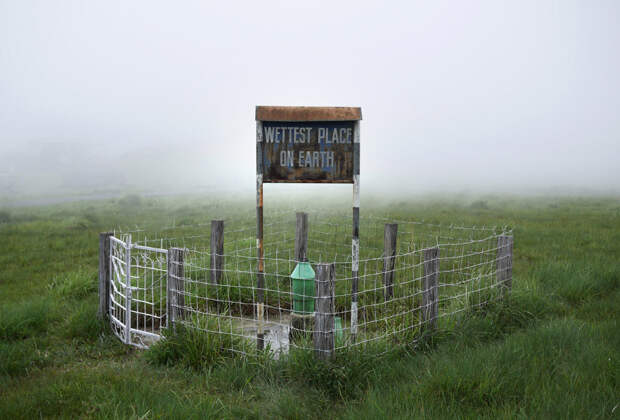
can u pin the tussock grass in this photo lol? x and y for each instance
(558, 369)
(116, 392)
(195, 347)
(579, 282)
(19, 358)
(77, 284)
(20, 320)
(347, 375)
(83, 323)
(353, 370)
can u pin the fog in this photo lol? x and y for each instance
(102, 97)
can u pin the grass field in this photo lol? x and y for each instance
(549, 351)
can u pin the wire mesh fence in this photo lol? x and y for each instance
(412, 276)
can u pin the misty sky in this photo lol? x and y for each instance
(458, 95)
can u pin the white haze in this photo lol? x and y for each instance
(160, 96)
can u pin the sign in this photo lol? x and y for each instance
(308, 152)
(306, 144)
(303, 144)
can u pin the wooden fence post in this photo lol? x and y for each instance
(300, 324)
(389, 256)
(217, 251)
(301, 237)
(504, 263)
(104, 275)
(175, 289)
(430, 289)
(324, 311)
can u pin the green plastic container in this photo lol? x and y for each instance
(338, 330)
(303, 288)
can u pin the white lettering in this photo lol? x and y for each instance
(290, 158)
(290, 133)
(315, 159)
(279, 135)
(335, 136)
(330, 159)
(286, 158)
(321, 135)
(308, 134)
(269, 134)
(300, 161)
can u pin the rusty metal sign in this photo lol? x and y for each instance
(308, 152)
(308, 144)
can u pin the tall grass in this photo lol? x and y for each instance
(27, 319)
(195, 346)
(548, 351)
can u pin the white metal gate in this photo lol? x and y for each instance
(138, 277)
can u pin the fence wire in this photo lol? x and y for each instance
(224, 302)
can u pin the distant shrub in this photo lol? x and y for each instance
(130, 200)
(78, 223)
(5, 216)
(479, 205)
(24, 217)
(90, 215)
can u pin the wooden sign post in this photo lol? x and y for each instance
(309, 145)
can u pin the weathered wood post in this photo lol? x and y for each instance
(301, 237)
(260, 251)
(217, 259)
(104, 275)
(390, 234)
(300, 323)
(355, 238)
(324, 311)
(430, 289)
(217, 251)
(504, 263)
(175, 289)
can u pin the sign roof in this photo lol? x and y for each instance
(307, 113)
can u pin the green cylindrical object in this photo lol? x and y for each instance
(303, 288)
(338, 330)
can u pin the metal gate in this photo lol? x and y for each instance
(138, 277)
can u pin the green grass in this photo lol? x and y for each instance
(548, 351)
(194, 347)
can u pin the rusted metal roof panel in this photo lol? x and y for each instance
(307, 113)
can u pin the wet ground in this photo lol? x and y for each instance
(275, 330)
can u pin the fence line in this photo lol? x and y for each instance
(410, 276)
